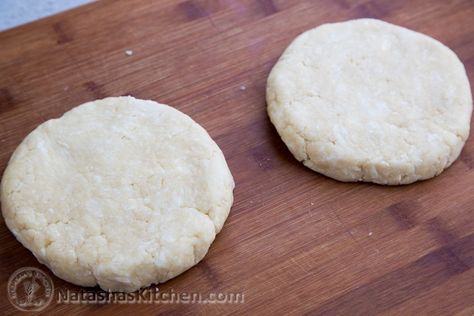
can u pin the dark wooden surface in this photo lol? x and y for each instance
(295, 241)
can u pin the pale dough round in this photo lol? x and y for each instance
(365, 100)
(118, 192)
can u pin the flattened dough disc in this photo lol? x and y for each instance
(365, 100)
(118, 192)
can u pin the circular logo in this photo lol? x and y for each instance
(30, 289)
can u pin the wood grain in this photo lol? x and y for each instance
(296, 242)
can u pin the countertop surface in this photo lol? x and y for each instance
(295, 242)
(18, 12)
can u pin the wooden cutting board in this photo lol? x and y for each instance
(295, 241)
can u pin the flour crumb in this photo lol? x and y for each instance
(370, 234)
(129, 52)
(312, 203)
(242, 88)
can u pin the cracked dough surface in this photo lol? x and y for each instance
(365, 100)
(118, 192)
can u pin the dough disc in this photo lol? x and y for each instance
(118, 192)
(365, 100)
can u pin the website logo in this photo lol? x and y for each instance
(30, 289)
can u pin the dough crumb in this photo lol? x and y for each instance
(242, 88)
(129, 52)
